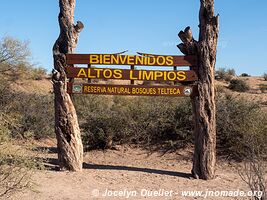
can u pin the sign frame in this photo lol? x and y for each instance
(188, 76)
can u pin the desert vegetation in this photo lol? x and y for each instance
(107, 121)
(238, 85)
(168, 122)
(225, 74)
(18, 116)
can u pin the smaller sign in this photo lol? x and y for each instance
(77, 89)
(132, 90)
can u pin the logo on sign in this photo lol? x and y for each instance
(187, 91)
(77, 88)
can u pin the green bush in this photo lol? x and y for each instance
(36, 115)
(143, 120)
(241, 127)
(167, 122)
(238, 85)
(27, 115)
(244, 75)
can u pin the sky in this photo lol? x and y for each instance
(149, 26)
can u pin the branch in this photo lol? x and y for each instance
(79, 26)
(188, 45)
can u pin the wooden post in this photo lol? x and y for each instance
(89, 80)
(132, 68)
(204, 104)
(175, 69)
(69, 143)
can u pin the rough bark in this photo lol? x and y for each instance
(69, 143)
(204, 109)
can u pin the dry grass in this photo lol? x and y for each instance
(43, 86)
(253, 95)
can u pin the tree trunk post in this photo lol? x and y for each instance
(203, 105)
(69, 143)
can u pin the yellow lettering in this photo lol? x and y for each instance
(132, 76)
(151, 60)
(139, 60)
(82, 73)
(130, 60)
(90, 70)
(107, 73)
(169, 60)
(94, 59)
(158, 74)
(122, 59)
(165, 76)
(100, 59)
(169, 76)
(117, 73)
(181, 76)
(145, 60)
(85, 89)
(162, 58)
(147, 75)
(98, 70)
(110, 89)
(106, 59)
(114, 59)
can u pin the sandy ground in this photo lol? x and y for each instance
(132, 171)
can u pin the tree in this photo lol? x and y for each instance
(13, 51)
(14, 176)
(204, 104)
(14, 58)
(69, 143)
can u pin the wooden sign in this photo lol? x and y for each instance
(126, 74)
(133, 90)
(144, 60)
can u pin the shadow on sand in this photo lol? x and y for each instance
(137, 169)
(52, 164)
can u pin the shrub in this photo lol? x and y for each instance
(253, 173)
(238, 85)
(38, 73)
(143, 120)
(36, 119)
(225, 74)
(244, 75)
(241, 126)
(15, 169)
(220, 73)
(27, 115)
(263, 87)
(168, 122)
(231, 72)
(265, 76)
(219, 89)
